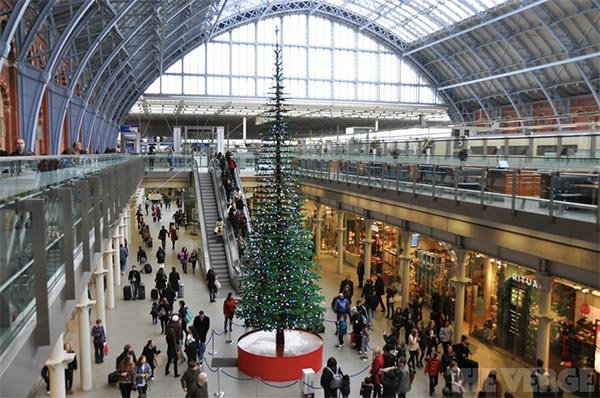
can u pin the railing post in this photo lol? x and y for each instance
(513, 197)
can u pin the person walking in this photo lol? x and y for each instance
(376, 366)
(491, 387)
(228, 312)
(99, 338)
(360, 273)
(201, 328)
(143, 372)
(173, 236)
(171, 339)
(151, 352)
(194, 260)
(69, 369)
(183, 257)
(160, 257)
(162, 236)
(126, 376)
(380, 290)
(413, 348)
(123, 253)
(432, 369)
(189, 377)
(200, 388)
(211, 281)
(405, 383)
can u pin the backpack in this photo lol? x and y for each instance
(391, 380)
(345, 387)
(336, 380)
(343, 327)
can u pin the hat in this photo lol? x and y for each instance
(175, 318)
(492, 373)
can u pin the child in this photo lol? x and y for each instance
(366, 388)
(342, 328)
(154, 313)
(345, 388)
(364, 343)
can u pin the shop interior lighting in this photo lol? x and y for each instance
(576, 287)
(585, 291)
(492, 260)
(596, 293)
(477, 255)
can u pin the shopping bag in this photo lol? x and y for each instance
(105, 349)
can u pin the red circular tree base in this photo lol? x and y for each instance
(257, 356)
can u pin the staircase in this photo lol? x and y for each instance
(216, 250)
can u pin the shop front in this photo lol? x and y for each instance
(504, 314)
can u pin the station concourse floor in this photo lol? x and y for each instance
(130, 322)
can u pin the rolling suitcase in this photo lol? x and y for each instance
(127, 292)
(147, 268)
(180, 292)
(154, 294)
(142, 292)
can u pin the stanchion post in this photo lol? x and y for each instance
(212, 350)
(219, 393)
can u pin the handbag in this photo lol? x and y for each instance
(217, 284)
(105, 349)
(178, 355)
(157, 361)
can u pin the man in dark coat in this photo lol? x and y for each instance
(380, 290)
(347, 282)
(201, 328)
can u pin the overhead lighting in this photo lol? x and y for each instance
(585, 291)
(596, 293)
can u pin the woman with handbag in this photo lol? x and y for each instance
(152, 356)
(126, 376)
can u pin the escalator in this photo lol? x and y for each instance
(215, 249)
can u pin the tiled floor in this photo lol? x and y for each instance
(131, 323)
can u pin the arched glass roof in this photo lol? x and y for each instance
(409, 20)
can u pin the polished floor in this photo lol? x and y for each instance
(130, 322)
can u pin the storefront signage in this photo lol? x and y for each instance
(527, 281)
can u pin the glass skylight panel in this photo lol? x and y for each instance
(154, 87)
(175, 68)
(294, 61)
(294, 29)
(266, 30)
(343, 65)
(193, 85)
(244, 33)
(242, 60)
(343, 36)
(218, 62)
(195, 61)
(319, 31)
(319, 63)
(242, 87)
(171, 84)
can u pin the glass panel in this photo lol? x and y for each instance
(193, 85)
(194, 61)
(175, 68)
(294, 62)
(343, 36)
(343, 65)
(171, 84)
(244, 33)
(16, 276)
(242, 60)
(218, 61)
(294, 29)
(319, 66)
(319, 31)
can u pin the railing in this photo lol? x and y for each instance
(29, 174)
(396, 177)
(48, 219)
(230, 242)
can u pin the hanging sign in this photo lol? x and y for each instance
(525, 280)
